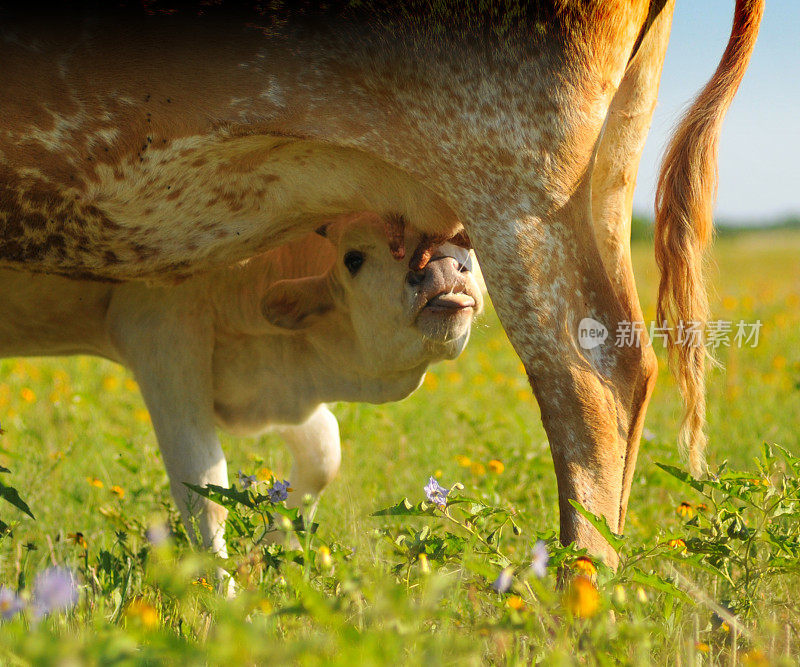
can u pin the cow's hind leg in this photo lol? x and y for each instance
(613, 181)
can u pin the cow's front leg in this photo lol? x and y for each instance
(317, 454)
(547, 280)
(165, 338)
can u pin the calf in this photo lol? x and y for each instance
(266, 342)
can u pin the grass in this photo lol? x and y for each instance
(76, 428)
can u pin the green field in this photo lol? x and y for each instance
(81, 453)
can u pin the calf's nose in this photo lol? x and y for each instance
(442, 273)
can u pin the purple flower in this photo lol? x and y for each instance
(279, 491)
(247, 480)
(54, 589)
(504, 579)
(10, 603)
(540, 558)
(157, 534)
(436, 493)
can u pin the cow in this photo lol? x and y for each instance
(261, 344)
(154, 146)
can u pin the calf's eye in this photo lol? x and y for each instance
(353, 260)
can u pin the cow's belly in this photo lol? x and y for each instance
(52, 316)
(258, 416)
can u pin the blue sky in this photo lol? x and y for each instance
(760, 146)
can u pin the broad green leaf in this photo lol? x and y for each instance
(792, 461)
(600, 524)
(405, 508)
(784, 509)
(655, 582)
(783, 563)
(222, 495)
(697, 561)
(10, 494)
(683, 476)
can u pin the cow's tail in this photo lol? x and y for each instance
(687, 188)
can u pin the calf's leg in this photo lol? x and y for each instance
(165, 338)
(316, 451)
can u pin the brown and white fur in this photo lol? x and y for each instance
(262, 344)
(159, 146)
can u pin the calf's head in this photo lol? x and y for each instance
(398, 320)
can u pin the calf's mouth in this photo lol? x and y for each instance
(450, 303)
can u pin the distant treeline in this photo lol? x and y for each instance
(642, 226)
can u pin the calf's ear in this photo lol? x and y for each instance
(297, 303)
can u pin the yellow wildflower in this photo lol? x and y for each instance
(582, 598)
(463, 461)
(754, 657)
(515, 602)
(141, 415)
(438, 474)
(478, 468)
(201, 581)
(702, 647)
(424, 566)
(110, 383)
(95, 482)
(324, 555)
(118, 491)
(677, 544)
(496, 466)
(78, 539)
(685, 510)
(263, 474)
(27, 395)
(585, 566)
(130, 384)
(143, 612)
